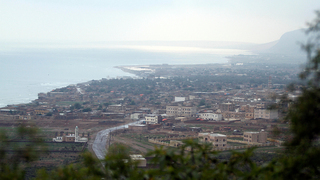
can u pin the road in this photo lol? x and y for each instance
(100, 142)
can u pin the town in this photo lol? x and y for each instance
(232, 106)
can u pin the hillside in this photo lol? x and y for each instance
(289, 43)
(286, 50)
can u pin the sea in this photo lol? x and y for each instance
(27, 71)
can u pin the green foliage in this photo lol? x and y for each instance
(202, 102)
(77, 106)
(14, 158)
(132, 102)
(106, 104)
(194, 160)
(87, 110)
(116, 165)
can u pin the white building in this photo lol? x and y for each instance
(177, 110)
(217, 140)
(58, 139)
(179, 99)
(77, 138)
(136, 116)
(70, 137)
(210, 116)
(152, 119)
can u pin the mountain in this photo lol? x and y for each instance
(289, 44)
(287, 50)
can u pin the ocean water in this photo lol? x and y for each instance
(24, 72)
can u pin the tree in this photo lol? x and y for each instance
(194, 160)
(202, 102)
(87, 110)
(77, 106)
(12, 165)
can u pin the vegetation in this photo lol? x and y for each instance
(15, 159)
(301, 159)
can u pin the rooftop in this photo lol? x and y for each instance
(217, 135)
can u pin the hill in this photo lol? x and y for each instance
(288, 44)
(286, 50)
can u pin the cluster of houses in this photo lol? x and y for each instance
(224, 112)
(220, 140)
(228, 104)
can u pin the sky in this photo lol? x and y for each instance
(152, 20)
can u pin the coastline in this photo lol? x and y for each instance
(164, 70)
(41, 70)
(128, 71)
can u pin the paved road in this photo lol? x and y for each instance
(99, 144)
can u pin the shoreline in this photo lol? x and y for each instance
(145, 71)
(156, 69)
(135, 71)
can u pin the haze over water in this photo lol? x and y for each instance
(25, 72)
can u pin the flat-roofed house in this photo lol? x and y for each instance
(227, 107)
(255, 137)
(176, 110)
(265, 113)
(153, 119)
(210, 116)
(218, 140)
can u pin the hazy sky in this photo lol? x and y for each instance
(257, 21)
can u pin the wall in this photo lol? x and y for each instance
(158, 141)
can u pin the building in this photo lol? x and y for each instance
(179, 99)
(249, 115)
(139, 159)
(265, 113)
(116, 107)
(247, 108)
(77, 137)
(218, 140)
(255, 137)
(24, 117)
(175, 143)
(210, 116)
(145, 110)
(262, 105)
(40, 111)
(112, 115)
(70, 137)
(136, 115)
(229, 116)
(177, 110)
(67, 138)
(153, 119)
(227, 107)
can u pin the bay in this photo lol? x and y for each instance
(24, 72)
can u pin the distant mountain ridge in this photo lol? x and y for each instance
(286, 50)
(288, 44)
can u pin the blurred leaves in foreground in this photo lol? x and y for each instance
(301, 159)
